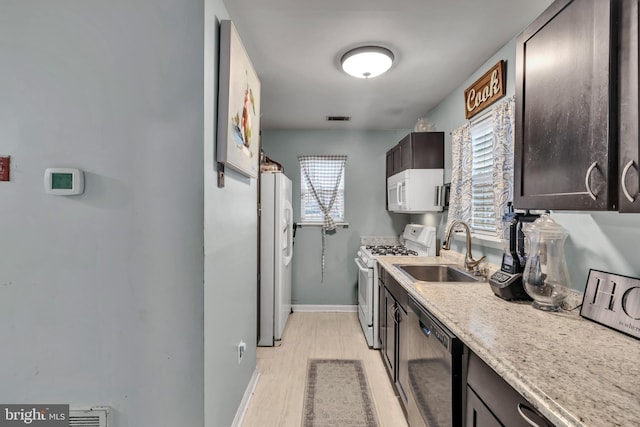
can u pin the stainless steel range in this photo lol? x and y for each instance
(416, 240)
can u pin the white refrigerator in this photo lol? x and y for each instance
(276, 253)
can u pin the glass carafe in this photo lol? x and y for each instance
(546, 277)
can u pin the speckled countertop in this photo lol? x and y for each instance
(574, 371)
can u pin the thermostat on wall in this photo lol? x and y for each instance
(63, 181)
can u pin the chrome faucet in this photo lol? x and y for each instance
(469, 263)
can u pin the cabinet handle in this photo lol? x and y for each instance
(586, 180)
(526, 418)
(624, 184)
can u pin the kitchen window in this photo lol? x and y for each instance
(322, 189)
(482, 172)
(483, 217)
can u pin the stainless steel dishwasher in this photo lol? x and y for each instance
(435, 371)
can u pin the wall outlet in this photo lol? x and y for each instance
(242, 348)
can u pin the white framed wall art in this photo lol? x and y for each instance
(238, 136)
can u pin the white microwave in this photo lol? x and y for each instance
(416, 191)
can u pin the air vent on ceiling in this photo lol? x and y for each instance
(338, 118)
(95, 417)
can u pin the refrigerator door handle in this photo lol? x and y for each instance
(288, 211)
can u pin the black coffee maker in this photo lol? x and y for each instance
(507, 283)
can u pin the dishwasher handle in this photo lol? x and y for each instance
(430, 326)
(426, 331)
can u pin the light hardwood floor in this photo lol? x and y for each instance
(278, 397)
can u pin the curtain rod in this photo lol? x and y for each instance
(319, 225)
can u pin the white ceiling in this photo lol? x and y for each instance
(296, 45)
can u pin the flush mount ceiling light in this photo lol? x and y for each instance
(367, 61)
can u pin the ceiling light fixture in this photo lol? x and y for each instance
(367, 61)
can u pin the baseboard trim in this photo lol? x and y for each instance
(244, 404)
(325, 308)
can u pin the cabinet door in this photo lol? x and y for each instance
(629, 182)
(382, 318)
(566, 102)
(406, 153)
(504, 402)
(396, 159)
(393, 160)
(403, 357)
(389, 164)
(478, 415)
(388, 345)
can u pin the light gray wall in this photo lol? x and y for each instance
(600, 240)
(364, 208)
(450, 115)
(230, 267)
(101, 295)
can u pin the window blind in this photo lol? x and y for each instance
(483, 218)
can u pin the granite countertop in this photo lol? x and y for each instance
(574, 371)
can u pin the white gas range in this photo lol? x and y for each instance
(416, 240)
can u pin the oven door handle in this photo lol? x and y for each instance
(362, 267)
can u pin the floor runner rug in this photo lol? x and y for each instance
(337, 395)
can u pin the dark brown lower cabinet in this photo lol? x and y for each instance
(382, 317)
(402, 372)
(393, 315)
(478, 415)
(389, 340)
(491, 401)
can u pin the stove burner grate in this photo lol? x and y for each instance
(397, 250)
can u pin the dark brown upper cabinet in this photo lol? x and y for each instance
(629, 137)
(566, 108)
(418, 150)
(393, 161)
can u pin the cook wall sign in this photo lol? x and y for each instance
(614, 301)
(485, 91)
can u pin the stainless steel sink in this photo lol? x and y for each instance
(436, 273)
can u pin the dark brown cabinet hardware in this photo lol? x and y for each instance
(528, 413)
